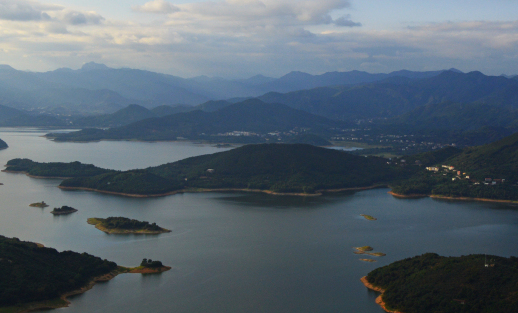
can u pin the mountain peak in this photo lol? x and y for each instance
(94, 66)
(6, 67)
(455, 70)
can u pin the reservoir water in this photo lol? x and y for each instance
(236, 252)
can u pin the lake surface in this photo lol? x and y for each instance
(236, 252)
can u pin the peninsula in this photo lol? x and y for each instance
(33, 277)
(297, 169)
(53, 169)
(123, 225)
(3, 145)
(63, 210)
(432, 283)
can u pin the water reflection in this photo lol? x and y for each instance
(267, 201)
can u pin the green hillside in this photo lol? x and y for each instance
(54, 169)
(497, 162)
(432, 283)
(273, 167)
(30, 273)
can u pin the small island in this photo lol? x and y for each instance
(433, 283)
(41, 204)
(366, 249)
(123, 225)
(63, 210)
(368, 217)
(148, 266)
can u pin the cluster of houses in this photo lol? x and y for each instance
(462, 175)
(238, 133)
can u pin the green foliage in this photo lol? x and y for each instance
(498, 160)
(55, 169)
(495, 160)
(276, 167)
(64, 208)
(127, 224)
(30, 273)
(433, 157)
(432, 283)
(150, 263)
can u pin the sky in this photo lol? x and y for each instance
(243, 38)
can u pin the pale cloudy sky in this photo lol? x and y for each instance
(241, 38)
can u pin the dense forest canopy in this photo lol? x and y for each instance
(276, 167)
(30, 273)
(54, 169)
(489, 171)
(432, 283)
(126, 224)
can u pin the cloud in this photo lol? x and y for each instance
(77, 18)
(279, 11)
(346, 21)
(25, 10)
(157, 7)
(242, 37)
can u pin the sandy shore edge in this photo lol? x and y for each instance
(318, 193)
(451, 198)
(38, 306)
(379, 299)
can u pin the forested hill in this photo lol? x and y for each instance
(292, 168)
(432, 283)
(497, 160)
(30, 273)
(489, 171)
(247, 116)
(3, 145)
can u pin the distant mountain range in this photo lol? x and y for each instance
(96, 88)
(249, 116)
(396, 96)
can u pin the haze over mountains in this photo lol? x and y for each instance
(97, 88)
(138, 104)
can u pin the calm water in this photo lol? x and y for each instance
(236, 252)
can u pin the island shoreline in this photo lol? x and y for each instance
(379, 299)
(43, 305)
(199, 190)
(97, 224)
(414, 196)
